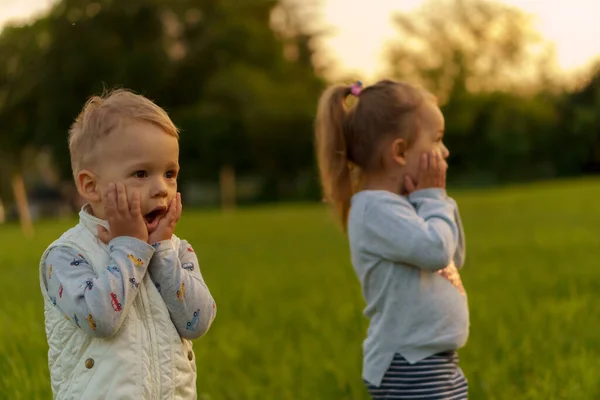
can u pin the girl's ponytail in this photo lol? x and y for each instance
(332, 151)
(352, 137)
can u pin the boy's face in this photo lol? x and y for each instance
(145, 159)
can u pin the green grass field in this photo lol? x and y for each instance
(290, 322)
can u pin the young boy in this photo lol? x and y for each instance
(123, 295)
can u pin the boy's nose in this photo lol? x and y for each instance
(161, 193)
(159, 190)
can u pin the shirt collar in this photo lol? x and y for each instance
(90, 221)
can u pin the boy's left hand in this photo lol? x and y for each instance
(166, 226)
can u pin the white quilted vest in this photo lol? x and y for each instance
(145, 359)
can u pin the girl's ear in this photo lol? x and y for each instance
(398, 149)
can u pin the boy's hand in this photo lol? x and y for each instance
(123, 219)
(432, 173)
(166, 226)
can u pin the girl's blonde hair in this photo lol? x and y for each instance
(349, 137)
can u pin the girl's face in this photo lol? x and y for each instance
(429, 139)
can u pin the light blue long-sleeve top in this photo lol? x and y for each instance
(406, 252)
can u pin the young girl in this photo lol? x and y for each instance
(383, 168)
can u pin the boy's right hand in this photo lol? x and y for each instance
(432, 173)
(123, 219)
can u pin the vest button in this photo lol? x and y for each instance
(89, 363)
(190, 355)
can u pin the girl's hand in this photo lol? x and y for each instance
(432, 173)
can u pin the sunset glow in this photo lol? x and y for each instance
(569, 25)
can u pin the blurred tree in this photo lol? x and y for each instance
(492, 74)
(241, 87)
(239, 79)
(95, 46)
(457, 46)
(244, 89)
(579, 127)
(21, 79)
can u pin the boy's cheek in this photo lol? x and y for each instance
(134, 185)
(172, 194)
(101, 191)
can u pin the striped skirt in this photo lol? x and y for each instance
(435, 378)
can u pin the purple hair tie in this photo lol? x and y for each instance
(356, 88)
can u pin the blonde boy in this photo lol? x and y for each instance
(123, 295)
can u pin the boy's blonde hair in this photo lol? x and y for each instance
(101, 115)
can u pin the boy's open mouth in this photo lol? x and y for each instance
(153, 218)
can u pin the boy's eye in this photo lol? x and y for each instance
(171, 174)
(140, 174)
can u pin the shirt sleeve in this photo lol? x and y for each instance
(177, 277)
(420, 231)
(460, 254)
(97, 303)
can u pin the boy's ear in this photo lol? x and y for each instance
(87, 186)
(399, 148)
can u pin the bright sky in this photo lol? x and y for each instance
(572, 25)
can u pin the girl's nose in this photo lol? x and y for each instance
(445, 152)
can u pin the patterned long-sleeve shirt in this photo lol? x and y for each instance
(176, 274)
(98, 303)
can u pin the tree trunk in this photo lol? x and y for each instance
(22, 204)
(2, 213)
(227, 179)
